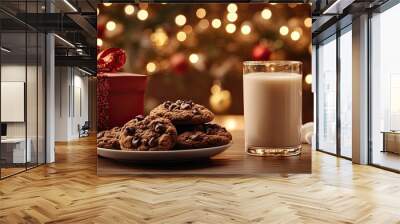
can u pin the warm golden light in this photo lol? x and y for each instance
(216, 23)
(230, 28)
(221, 100)
(308, 22)
(194, 58)
(308, 79)
(232, 7)
(111, 25)
(159, 38)
(203, 24)
(99, 42)
(151, 67)
(98, 11)
(246, 29)
(129, 9)
(232, 16)
(201, 13)
(107, 4)
(180, 20)
(142, 14)
(181, 36)
(295, 35)
(284, 30)
(230, 124)
(266, 14)
(188, 29)
(215, 89)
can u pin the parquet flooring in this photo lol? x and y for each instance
(70, 192)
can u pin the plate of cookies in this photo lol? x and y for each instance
(173, 131)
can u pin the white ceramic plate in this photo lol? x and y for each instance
(172, 155)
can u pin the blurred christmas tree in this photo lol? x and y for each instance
(196, 50)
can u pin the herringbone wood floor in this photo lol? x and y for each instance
(70, 192)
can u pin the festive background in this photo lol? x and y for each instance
(195, 51)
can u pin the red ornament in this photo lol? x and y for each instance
(110, 60)
(179, 63)
(261, 52)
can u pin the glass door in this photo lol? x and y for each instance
(346, 95)
(385, 90)
(326, 96)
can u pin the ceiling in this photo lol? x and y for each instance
(74, 21)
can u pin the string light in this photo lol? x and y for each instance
(98, 11)
(232, 7)
(110, 25)
(308, 22)
(181, 36)
(308, 79)
(230, 28)
(99, 42)
(151, 67)
(216, 23)
(107, 4)
(266, 14)
(246, 29)
(142, 14)
(129, 9)
(295, 35)
(284, 30)
(194, 58)
(201, 13)
(180, 20)
(232, 16)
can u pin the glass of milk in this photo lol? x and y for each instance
(272, 107)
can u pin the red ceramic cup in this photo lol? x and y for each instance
(120, 97)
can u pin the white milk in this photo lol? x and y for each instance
(272, 109)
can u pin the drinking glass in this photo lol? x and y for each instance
(272, 107)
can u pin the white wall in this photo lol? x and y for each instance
(70, 83)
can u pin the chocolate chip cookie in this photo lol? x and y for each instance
(183, 112)
(109, 139)
(203, 136)
(149, 133)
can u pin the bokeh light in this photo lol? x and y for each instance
(201, 13)
(295, 35)
(230, 28)
(266, 14)
(129, 9)
(142, 14)
(284, 30)
(194, 58)
(246, 29)
(232, 7)
(216, 23)
(99, 42)
(111, 25)
(180, 20)
(181, 36)
(232, 17)
(151, 67)
(308, 22)
(308, 79)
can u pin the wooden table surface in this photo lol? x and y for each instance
(233, 161)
